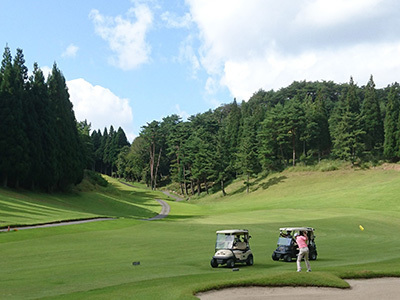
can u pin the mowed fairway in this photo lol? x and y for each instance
(95, 260)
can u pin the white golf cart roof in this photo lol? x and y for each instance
(296, 229)
(233, 231)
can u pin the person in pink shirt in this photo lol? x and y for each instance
(301, 240)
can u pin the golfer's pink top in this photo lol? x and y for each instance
(301, 241)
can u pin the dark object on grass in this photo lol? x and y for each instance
(136, 263)
(287, 248)
(235, 269)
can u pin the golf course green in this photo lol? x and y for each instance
(131, 258)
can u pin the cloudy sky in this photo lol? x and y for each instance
(128, 62)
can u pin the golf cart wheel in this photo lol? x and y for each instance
(313, 256)
(275, 256)
(214, 263)
(230, 263)
(250, 260)
(287, 258)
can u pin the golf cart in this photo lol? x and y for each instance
(287, 247)
(231, 247)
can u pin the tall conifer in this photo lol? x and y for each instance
(372, 119)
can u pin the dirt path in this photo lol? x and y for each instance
(378, 288)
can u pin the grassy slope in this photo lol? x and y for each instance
(95, 260)
(25, 208)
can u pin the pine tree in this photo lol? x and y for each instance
(14, 161)
(232, 135)
(70, 160)
(223, 168)
(373, 124)
(323, 137)
(96, 142)
(390, 149)
(348, 133)
(294, 122)
(45, 165)
(273, 138)
(248, 156)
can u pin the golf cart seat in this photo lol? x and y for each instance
(240, 246)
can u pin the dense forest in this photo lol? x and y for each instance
(302, 123)
(43, 146)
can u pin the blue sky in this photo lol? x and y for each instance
(128, 62)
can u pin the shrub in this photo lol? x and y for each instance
(95, 178)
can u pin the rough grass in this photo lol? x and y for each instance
(94, 261)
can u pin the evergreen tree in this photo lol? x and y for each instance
(248, 156)
(390, 149)
(348, 133)
(373, 124)
(110, 151)
(152, 135)
(87, 144)
(14, 162)
(232, 135)
(70, 160)
(293, 116)
(45, 164)
(316, 136)
(34, 132)
(273, 138)
(323, 137)
(96, 138)
(223, 167)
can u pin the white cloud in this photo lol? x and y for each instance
(187, 54)
(331, 13)
(70, 51)
(100, 107)
(173, 21)
(183, 114)
(211, 86)
(126, 37)
(268, 44)
(46, 71)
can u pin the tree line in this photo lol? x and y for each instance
(43, 146)
(40, 145)
(302, 123)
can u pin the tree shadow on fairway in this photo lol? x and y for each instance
(172, 217)
(272, 181)
(258, 183)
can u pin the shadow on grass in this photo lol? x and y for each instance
(272, 181)
(171, 217)
(258, 183)
(35, 207)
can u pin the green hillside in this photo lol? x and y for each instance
(94, 260)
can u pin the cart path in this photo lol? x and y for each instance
(165, 209)
(63, 223)
(176, 197)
